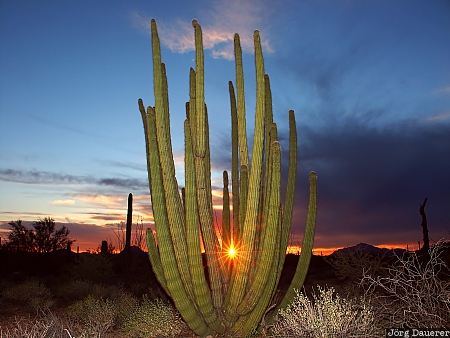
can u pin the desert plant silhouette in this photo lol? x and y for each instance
(43, 238)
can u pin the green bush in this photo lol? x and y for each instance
(154, 318)
(31, 294)
(328, 315)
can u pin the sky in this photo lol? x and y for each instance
(369, 82)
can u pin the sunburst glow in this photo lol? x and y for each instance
(231, 252)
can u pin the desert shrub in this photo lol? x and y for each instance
(328, 315)
(31, 294)
(415, 292)
(73, 290)
(125, 305)
(92, 317)
(154, 318)
(44, 324)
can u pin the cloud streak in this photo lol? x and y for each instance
(47, 177)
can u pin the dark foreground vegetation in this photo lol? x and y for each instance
(116, 295)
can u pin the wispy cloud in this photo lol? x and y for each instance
(66, 202)
(439, 117)
(445, 90)
(219, 23)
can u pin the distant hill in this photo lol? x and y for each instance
(367, 248)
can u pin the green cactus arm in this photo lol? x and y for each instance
(200, 147)
(174, 284)
(173, 200)
(268, 242)
(243, 193)
(273, 136)
(183, 199)
(265, 178)
(290, 190)
(207, 163)
(226, 230)
(246, 325)
(147, 151)
(203, 174)
(307, 245)
(267, 139)
(212, 247)
(153, 251)
(201, 290)
(243, 148)
(234, 162)
(248, 231)
(161, 103)
(192, 107)
(155, 260)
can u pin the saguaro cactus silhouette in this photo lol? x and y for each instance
(244, 266)
(129, 222)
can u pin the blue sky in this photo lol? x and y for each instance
(369, 81)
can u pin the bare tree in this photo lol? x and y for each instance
(139, 233)
(119, 233)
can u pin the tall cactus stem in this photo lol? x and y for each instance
(243, 148)
(175, 284)
(173, 200)
(248, 230)
(268, 242)
(234, 162)
(308, 239)
(201, 290)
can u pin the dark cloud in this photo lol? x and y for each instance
(46, 177)
(129, 183)
(41, 177)
(372, 181)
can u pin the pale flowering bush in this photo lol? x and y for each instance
(92, 317)
(328, 315)
(154, 318)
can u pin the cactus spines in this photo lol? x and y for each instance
(230, 299)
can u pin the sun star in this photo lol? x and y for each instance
(231, 252)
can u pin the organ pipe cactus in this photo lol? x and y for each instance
(233, 295)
